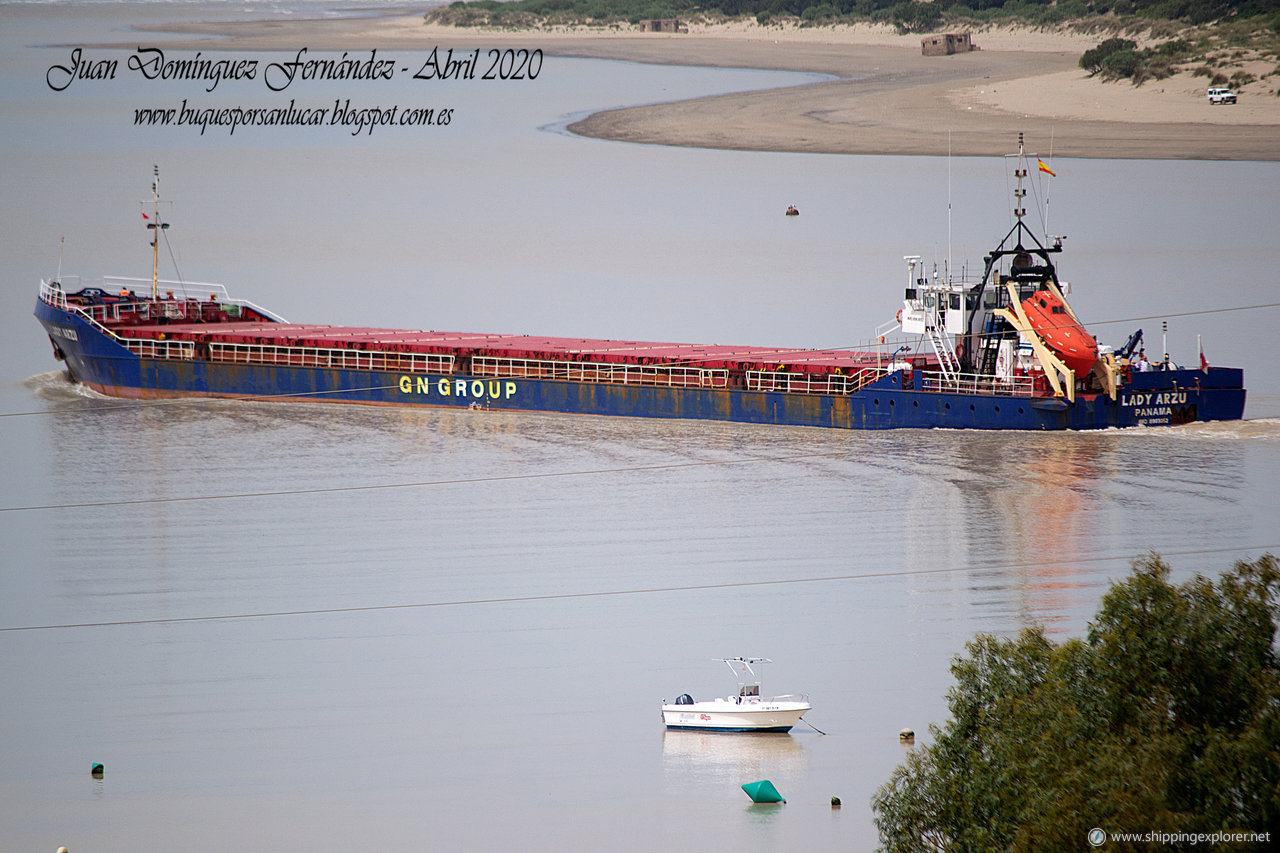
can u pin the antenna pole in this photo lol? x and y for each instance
(948, 206)
(1019, 194)
(155, 237)
(1046, 192)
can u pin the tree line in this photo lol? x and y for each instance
(1164, 718)
(906, 15)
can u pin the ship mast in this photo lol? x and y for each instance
(156, 226)
(1020, 172)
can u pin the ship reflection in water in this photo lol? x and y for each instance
(706, 760)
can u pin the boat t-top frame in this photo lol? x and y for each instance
(748, 678)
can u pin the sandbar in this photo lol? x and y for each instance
(883, 95)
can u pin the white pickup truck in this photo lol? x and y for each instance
(1221, 95)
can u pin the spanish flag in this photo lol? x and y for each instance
(1046, 169)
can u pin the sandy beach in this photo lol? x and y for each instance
(883, 97)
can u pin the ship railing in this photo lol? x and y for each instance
(812, 383)
(976, 383)
(330, 357)
(171, 350)
(56, 296)
(144, 311)
(592, 371)
(183, 289)
(187, 291)
(51, 292)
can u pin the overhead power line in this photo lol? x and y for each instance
(563, 596)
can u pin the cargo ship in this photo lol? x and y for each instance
(1005, 351)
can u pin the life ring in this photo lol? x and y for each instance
(959, 350)
(899, 317)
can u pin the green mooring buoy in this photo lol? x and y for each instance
(763, 792)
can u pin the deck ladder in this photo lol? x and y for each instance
(947, 362)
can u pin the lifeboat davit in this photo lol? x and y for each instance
(1061, 332)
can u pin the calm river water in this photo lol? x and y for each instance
(336, 628)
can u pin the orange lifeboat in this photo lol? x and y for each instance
(1061, 332)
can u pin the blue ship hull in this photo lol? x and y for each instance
(1156, 398)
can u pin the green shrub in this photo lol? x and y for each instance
(1093, 60)
(1122, 63)
(912, 17)
(1169, 706)
(821, 12)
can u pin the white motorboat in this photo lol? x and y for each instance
(746, 712)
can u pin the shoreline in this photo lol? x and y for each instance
(886, 97)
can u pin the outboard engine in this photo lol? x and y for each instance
(684, 699)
